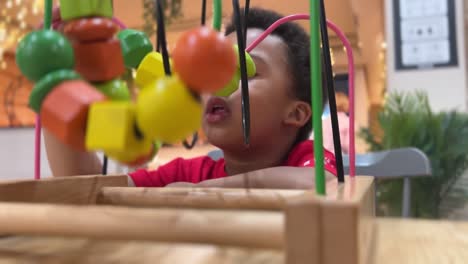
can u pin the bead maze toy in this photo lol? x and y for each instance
(81, 99)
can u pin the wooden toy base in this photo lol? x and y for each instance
(338, 228)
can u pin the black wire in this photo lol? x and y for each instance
(243, 71)
(104, 166)
(162, 37)
(193, 143)
(246, 15)
(203, 13)
(331, 92)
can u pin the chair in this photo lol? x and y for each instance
(403, 163)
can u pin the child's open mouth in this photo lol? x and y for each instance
(216, 110)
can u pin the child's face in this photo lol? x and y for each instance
(270, 101)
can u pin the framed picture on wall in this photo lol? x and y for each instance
(425, 34)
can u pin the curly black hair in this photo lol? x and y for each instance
(298, 43)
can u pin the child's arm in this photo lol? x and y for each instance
(271, 178)
(64, 161)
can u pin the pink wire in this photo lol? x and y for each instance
(38, 126)
(351, 75)
(37, 149)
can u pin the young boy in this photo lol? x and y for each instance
(279, 155)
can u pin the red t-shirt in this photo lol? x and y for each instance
(204, 168)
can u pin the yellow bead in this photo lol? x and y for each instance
(143, 149)
(251, 68)
(231, 87)
(111, 127)
(167, 111)
(150, 69)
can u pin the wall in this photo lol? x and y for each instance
(17, 155)
(446, 87)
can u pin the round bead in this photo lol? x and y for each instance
(45, 85)
(150, 69)
(90, 29)
(145, 158)
(136, 154)
(231, 87)
(167, 111)
(204, 59)
(251, 69)
(135, 46)
(115, 90)
(42, 52)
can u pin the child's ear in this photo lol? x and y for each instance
(298, 114)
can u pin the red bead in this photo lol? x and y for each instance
(99, 61)
(90, 29)
(64, 111)
(204, 59)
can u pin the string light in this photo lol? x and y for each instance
(13, 24)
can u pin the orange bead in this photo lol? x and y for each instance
(99, 61)
(64, 111)
(90, 29)
(204, 59)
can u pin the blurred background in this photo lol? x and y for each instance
(411, 87)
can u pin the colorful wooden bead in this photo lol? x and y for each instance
(136, 155)
(150, 69)
(42, 52)
(204, 59)
(251, 68)
(111, 127)
(231, 87)
(90, 29)
(167, 110)
(70, 9)
(234, 83)
(115, 90)
(45, 85)
(65, 111)
(135, 46)
(99, 61)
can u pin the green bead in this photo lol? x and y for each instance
(115, 90)
(70, 9)
(251, 69)
(231, 87)
(135, 46)
(42, 52)
(45, 85)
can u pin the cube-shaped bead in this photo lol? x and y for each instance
(64, 111)
(135, 46)
(150, 69)
(71, 9)
(99, 61)
(111, 127)
(90, 29)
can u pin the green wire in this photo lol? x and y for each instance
(316, 74)
(217, 14)
(48, 13)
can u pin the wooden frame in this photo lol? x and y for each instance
(338, 228)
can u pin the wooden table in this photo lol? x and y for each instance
(398, 241)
